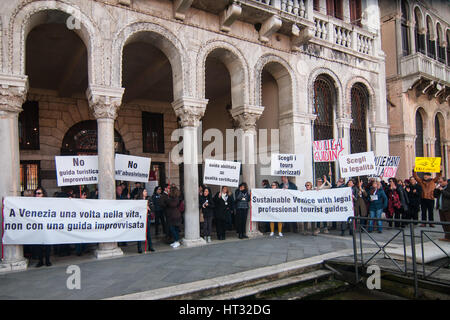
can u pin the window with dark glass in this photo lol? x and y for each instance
(153, 132)
(355, 12)
(358, 128)
(431, 46)
(420, 38)
(440, 50)
(316, 5)
(419, 135)
(437, 135)
(29, 175)
(448, 50)
(404, 28)
(335, 9)
(29, 126)
(324, 98)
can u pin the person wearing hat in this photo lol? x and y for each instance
(442, 193)
(428, 185)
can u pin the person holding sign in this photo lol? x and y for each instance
(242, 197)
(224, 206)
(40, 193)
(428, 185)
(143, 195)
(275, 185)
(378, 201)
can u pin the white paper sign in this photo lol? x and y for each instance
(76, 170)
(132, 168)
(357, 164)
(221, 173)
(29, 220)
(387, 166)
(285, 205)
(287, 164)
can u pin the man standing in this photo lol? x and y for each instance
(428, 185)
(286, 184)
(442, 193)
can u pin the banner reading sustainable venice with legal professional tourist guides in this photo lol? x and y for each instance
(28, 220)
(285, 205)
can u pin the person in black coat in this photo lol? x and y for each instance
(414, 192)
(242, 199)
(207, 206)
(223, 210)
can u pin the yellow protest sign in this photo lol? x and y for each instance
(424, 164)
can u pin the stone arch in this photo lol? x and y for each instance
(418, 15)
(440, 35)
(440, 115)
(161, 38)
(424, 117)
(337, 86)
(31, 14)
(370, 91)
(284, 75)
(237, 66)
(429, 24)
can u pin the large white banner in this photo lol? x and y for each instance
(132, 168)
(287, 164)
(76, 170)
(28, 220)
(221, 173)
(285, 205)
(357, 164)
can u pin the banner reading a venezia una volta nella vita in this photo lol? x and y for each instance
(28, 220)
(285, 205)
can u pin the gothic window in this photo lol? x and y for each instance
(153, 132)
(324, 97)
(358, 128)
(29, 126)
(420, 38)
(419, 135)
(437, 135)
(440, 50)
(431, 46)
(404, 28)
(355, 12)
(316, 5)
(334, 8)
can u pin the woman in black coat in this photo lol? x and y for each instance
(224, 207)
(242, 199)
(207, 205)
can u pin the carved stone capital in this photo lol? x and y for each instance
(104, 101)
(246, 116)
(13, 93)
(189, 110)
(344, 123)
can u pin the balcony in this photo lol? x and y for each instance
(294, 18)
(419, 65)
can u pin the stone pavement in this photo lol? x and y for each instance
(168, 267)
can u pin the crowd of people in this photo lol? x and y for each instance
(373, 197)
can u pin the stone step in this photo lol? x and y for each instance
(431, 252)
(261, 288)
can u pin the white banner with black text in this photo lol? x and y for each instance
(285, 205)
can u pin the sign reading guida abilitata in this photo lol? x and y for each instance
(132, 168)
(357, 164)
(287, 164)
(76, 170)
(222, 173)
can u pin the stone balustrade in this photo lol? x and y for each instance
(421, 64)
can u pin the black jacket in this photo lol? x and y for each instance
(223, 209)
(242, 199)
(445, 197)
(209, 210)
(414, 198)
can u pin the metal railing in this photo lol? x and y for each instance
(358, 228)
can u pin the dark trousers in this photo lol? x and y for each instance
(44, 249)
(160, 218)
(241, 221)
(427, 206)
(207, 226)
(445, 217)
(221, 227)
(413, 213)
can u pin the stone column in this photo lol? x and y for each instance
(190, 111)
(412, 37)
(343, 125)
(13, 90)
(104, 103)
(246, 117)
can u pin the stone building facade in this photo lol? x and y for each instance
(415, 37)
(312, 70)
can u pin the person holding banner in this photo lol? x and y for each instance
(40, 193)
(207, 205)
(242, 199)
(275, 185)
(428, 185)
(360, 205)
(321, 185)
(378, 201)
(346, 225)
(143, 195)
(286, 184)
(224, 206)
